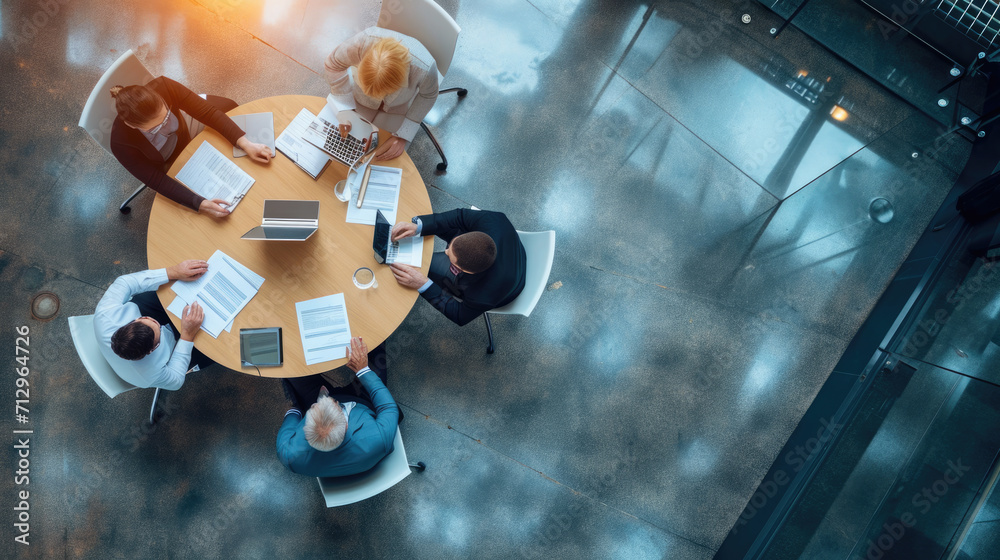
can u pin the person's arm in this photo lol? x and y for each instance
(447, 225)
(386, 410)
(123, 288)
(460, 312)
(427, 92)
(174, 372)
(346, 54)
(153, 176)
(203, 112)
(286, 433)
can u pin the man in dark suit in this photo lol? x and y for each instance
(483, 267)
(345, 430)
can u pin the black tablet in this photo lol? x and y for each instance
(261, 347)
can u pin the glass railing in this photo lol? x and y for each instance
(908, 475)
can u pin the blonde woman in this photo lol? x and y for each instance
(394, 84)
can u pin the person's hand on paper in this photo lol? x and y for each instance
(344, 129)
(187, 270)
(257, 152)
(408, 276)
(403, 230)
(191, 320)
(215, 208)
(357, 355)
(391, 148)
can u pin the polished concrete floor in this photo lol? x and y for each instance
(715, 251)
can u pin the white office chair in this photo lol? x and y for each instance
(540, 249)
(428, 23)
(81, 328)
(99, 113)
(343, 490)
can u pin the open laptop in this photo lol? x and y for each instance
(405, 251)
(287, 220)
(324, 133)
(385, 249)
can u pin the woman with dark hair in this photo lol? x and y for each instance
(156, 121)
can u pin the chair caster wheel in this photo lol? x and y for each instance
(420, 466)
(442, 166)
(125, 209)
(463, 92)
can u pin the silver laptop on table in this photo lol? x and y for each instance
(324, 133)
(287, 220)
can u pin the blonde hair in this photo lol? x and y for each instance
(137, 104)
(384, 68)
(326, 424)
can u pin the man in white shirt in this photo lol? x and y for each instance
(135, 334)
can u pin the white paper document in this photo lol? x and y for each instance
(222, 292)
(408, 250)
(311, 159)
(213, 175)
(324, 328)
(382, 194)
(259, 128)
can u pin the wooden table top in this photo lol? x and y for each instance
(293, 271)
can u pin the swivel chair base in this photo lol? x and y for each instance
(489, 332)
(124, 208)
(461, 92)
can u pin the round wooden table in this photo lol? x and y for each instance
(294, 271)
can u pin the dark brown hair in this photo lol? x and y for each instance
(474, 251)
(136, 104)
(133, 341)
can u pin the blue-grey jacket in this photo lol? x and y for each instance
(369, 437)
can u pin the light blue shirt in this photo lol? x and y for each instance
(166, 365)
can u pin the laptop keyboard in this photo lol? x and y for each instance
(346, 150)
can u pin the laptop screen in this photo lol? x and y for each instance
(279, 233)
(291, 209)
(381, 241)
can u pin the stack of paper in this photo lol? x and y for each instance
(324, 328)
(222, 292)
(311, 159)
(382, 194)
(212, 175)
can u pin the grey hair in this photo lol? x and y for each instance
(326, 425)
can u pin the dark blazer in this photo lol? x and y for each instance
(370, 437)
(144, 161)
(494, 287)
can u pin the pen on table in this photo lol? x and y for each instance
(364, 180)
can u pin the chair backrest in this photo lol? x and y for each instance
(540, 248)
(343, 490)
(99, 113)
(426, 22)
(81, 328)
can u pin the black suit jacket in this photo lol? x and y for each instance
(138, 155)
(494, 287)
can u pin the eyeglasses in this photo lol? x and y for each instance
(157, 128)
